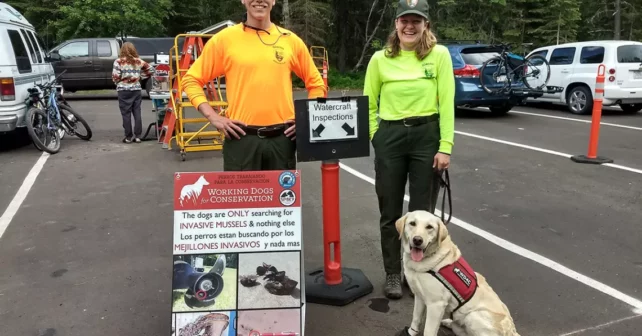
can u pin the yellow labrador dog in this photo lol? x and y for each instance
(444, 285)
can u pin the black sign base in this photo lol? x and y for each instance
(586, 159)
(353, 286)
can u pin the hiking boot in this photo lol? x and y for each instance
(392, 289)
(127, 140)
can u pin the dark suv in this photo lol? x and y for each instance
(468, 58)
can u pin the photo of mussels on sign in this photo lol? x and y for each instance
(269, 280)
(276, 282)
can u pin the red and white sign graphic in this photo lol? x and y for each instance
(235, 190)
(162, 70)
(231, 212)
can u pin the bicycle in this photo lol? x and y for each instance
(45, 102)
(509, 67)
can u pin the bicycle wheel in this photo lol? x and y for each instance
(71, 119)
(44, 138)
(535, 65)
(494, 75)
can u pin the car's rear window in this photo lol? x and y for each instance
(629, 54)
(477, 56)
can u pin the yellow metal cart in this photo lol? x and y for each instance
(177, 125)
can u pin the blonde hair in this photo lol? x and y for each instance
(128, 52)
(427, 41)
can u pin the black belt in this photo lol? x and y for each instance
(414, 121)
(269, 131)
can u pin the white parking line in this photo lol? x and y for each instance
(635, 303)
(601, 325)
(20, 196)
(576, 120)
(544, 150)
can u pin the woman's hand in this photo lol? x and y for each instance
(441, 162)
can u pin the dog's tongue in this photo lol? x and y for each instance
(416, 254)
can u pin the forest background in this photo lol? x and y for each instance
(350, 30)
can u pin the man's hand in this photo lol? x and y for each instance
(226, 125)
(441, 162)
(291, 131)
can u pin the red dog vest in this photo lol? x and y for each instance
(460, 279)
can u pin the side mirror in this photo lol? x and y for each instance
(53, 56)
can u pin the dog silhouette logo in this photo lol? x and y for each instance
(193, 191)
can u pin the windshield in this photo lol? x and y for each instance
(629, 54)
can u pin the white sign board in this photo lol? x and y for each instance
(162, 59)
(244, 229)
(333, 120)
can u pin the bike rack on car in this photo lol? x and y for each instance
(525, 92)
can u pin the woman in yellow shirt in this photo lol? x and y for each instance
(412, 86)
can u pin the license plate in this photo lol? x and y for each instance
(501, 79)
(637, 74)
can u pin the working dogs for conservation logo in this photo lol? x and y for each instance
(192, 191)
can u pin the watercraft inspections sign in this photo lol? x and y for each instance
(237, 247)
(333, 120)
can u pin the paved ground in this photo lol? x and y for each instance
(88, 250)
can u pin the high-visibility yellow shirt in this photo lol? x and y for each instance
(258, 75)
(405, 86)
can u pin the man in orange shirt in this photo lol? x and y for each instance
(257, 58)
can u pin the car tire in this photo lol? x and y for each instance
(500, 109)
(579, 100)
(631, 108)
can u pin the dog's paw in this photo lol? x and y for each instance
(403, 332)
(447, 323)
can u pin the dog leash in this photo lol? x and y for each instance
(445, 183)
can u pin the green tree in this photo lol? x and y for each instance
(109, 18)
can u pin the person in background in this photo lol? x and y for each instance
(127, 73)
(411, 85)
(257, 58)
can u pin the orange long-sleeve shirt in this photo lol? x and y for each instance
(258, 75)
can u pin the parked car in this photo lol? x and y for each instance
(468, 59)
(89, 61)
(22, 64)
(574, 67)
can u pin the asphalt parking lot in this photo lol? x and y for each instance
(85, 242)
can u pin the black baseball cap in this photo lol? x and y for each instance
(419, 7)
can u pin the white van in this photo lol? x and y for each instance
(22, 63)
(574, 67)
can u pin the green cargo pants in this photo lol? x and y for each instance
(404, 151)
(252, 152)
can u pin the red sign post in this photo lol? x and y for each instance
(328, 134)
